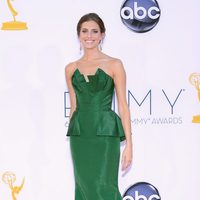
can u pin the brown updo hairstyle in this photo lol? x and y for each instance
(91, 17)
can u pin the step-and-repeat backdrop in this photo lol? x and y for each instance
(158, 43)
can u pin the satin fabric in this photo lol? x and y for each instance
(96, 132)
(94, 96)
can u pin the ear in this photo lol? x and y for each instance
(103, 36)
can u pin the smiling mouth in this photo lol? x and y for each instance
(89, 41)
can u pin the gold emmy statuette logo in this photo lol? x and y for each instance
(195, 80)
(13, 25)
(9, 178)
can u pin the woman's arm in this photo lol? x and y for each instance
(68, 74)
(124, 112)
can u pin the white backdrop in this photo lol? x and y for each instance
(32, 104)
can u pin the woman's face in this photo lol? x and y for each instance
(90, 35)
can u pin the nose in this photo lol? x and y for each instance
(89, 34)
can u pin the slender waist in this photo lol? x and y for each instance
(92, 107)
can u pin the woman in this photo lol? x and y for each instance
(95, 130)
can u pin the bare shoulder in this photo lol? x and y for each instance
(113, 62)
(69, 68)
(116, 65)
(116, 62)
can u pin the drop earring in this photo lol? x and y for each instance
(100, 45)
(80, 49)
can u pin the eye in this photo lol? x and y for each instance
(84, 31)
(95, 31)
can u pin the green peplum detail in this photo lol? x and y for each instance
(108, 124)
(93, 112)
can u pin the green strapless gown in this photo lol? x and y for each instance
(95, 133)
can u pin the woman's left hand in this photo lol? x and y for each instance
(126, 157)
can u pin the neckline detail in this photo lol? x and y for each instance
(92, 75)
(88, 74)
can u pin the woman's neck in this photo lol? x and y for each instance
(91, 54)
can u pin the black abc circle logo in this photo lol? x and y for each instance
(140, 15)
(142, 191)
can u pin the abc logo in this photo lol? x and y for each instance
(140, 15)
(141, 191)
